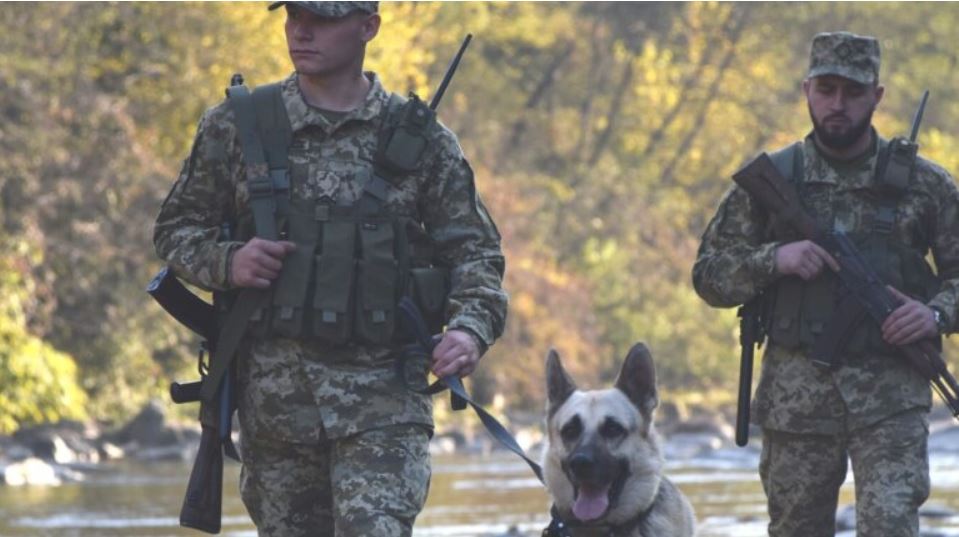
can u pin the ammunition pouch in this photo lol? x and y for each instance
(352, 264)
(343, 282)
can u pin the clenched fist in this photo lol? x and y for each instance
(258, 262)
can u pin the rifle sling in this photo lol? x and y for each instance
(228, 340)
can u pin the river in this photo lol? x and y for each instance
(469, 496)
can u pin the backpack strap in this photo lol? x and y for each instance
(263, 128)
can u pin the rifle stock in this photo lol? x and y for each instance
(776, 195)
(202, 503)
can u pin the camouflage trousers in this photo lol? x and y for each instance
(370, 483)
(802, 473)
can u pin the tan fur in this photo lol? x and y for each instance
(631, 405)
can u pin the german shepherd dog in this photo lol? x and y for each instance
(603, 465)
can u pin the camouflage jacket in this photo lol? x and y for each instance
(332, 160)
(736, 261)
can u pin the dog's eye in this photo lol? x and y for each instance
(611, 430)
(571, 431)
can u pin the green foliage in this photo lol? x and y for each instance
(37, 383)
(602, 135)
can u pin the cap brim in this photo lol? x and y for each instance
(275, 5)
(845, 72)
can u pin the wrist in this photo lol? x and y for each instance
(481, 346)
(942, 322)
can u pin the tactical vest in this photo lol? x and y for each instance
(352, 263)
(798, 313)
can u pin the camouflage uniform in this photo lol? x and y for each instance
(331, 436)
(873, 407)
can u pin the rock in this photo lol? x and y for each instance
(62, 442)
(31, 471)
(149, 429)
(110, 451)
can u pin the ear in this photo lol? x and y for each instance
(559, 386)
(637, 379)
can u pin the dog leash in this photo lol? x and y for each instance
(460, 398)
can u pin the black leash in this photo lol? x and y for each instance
(460, 398)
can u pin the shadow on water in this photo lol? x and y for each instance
(469, 496)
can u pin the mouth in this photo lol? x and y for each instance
(303, 53)
(593, 501)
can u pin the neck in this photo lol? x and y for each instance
(858, 148)
(337, 92)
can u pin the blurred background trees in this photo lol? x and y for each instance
(602, 135)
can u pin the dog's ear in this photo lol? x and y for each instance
(637, 379)
(559, 385)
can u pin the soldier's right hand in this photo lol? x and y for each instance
(258, 262)
(805, 259)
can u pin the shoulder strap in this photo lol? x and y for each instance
(789, 162)
(261, 117)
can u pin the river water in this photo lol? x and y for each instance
(469, 496)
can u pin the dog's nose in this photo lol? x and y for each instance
(581, 464)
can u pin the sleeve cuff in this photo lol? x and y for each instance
(762, 264)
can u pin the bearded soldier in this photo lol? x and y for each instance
(870, 407)
(341, 198)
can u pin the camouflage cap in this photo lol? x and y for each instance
(848, 55)
(332, 9)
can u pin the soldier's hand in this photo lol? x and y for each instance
(910, 322)
(456, 354)
(258, 262)
(805, 259)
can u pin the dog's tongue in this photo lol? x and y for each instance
(591, 503)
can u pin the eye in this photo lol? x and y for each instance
(571, 431)
(612, 430)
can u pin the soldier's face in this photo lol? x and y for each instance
(322, 46)
(841, 109)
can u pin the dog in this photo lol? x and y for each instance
(602, 461)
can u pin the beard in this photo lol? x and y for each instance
(843, 138)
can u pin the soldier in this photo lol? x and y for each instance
(334, 437)
(872, 408)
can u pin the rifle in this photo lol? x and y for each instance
(202, 503)
(868, 293)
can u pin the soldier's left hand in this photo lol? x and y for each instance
(456, 354)
(910, 322)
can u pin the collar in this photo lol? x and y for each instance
(303, 115)
(561, 528)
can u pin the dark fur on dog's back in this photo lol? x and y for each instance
(603, 458)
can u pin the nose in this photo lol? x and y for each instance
(581, 464)
(300, 32)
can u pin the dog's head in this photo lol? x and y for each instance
(603, 457)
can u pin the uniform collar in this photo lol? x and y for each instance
(303, 115)
(853, 175)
